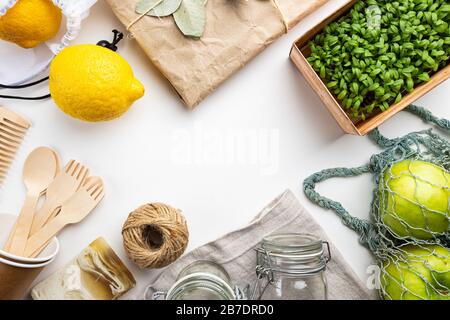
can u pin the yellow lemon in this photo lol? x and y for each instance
(92, 83)
(30, 22)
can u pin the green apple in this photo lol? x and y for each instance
(414, 199)
(417, 273)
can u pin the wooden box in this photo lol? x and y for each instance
(301, 51)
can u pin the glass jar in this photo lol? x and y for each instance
(201, 280)
(291, 267)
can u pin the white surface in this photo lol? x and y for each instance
(142, 156)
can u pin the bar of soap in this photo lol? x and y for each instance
(97, 273)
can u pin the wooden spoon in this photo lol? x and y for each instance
(72, 211)
(39, 170)
(7, 246)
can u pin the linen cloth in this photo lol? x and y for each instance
(235, 252)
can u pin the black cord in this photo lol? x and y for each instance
(25, 98)
(22, 86)
(4, 86)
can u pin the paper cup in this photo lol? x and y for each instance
(18, 273)
(6, 224)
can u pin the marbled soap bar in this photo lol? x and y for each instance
(97, 273)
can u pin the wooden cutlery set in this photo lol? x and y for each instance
(70, 194)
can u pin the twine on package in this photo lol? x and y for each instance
(274, 2)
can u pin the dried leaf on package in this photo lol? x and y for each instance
(158, 8)
(191, 17)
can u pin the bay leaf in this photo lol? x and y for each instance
(166, 8)
(163, 9)
(191, 17)
(145, 6)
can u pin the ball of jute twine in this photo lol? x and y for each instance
(155, 235)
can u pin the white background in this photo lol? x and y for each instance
(136, 154)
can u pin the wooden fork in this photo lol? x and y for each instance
(74, 210)
(61, 189)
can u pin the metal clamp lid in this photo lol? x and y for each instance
(267, 271)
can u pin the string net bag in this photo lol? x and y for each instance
(408, 229)
(20, 65)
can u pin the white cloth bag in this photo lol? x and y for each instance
(20, 65)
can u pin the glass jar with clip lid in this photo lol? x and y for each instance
(291, 267)
(202, 280)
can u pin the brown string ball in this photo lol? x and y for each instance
(155, 235)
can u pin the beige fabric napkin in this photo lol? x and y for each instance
(235, 32)
(235, 251)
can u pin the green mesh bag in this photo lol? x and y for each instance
(409, 226)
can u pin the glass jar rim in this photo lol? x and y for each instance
(292, 244)
(186, 270)
(202, 280)
(292, 253)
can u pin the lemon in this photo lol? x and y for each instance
(30, 22)
(92, 83)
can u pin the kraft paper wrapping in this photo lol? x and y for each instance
(236, 31)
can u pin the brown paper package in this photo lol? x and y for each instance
(236, 31)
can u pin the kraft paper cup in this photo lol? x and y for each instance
(16, 278)
(6, 224)
(18, 273)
